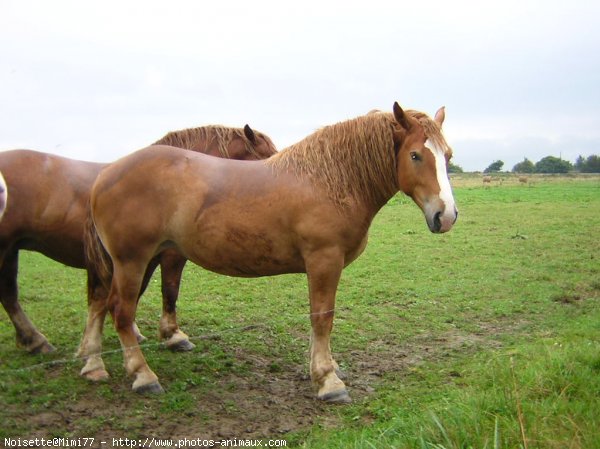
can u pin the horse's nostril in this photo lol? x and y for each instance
(437, 222)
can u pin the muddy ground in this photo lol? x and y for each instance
(263, 404)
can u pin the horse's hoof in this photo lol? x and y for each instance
(151, 388)
(336, 397)
(97, 375)
(181, 346)
(41, 348)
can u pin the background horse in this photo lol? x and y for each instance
(48, 210)
(306, 209)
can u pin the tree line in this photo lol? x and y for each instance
(548, 164)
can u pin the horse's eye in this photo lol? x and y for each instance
(415, 156)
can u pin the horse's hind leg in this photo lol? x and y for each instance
(122, 304)
(90, 347)
(28, 337)
(171, 268)
(145, 281)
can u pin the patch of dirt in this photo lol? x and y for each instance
(578, 294)
(259, 404)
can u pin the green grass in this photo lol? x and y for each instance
(537, 394)
(485, 337)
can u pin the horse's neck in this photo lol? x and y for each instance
(361, 210)
(375, 208)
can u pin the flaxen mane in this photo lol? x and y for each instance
(222, 135)
(353, 158)
(432, 130)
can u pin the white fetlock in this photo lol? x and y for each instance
(179, 341)
(333, 390)
(147, 382)
(94, 369)
(138, 335)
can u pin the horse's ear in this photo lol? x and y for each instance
(440, 115)
(401, 116)
(249, 133)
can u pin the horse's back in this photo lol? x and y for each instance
(49, 196)
(47, 174)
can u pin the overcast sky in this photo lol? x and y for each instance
(97, 80)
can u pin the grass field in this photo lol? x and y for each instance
(485, 337)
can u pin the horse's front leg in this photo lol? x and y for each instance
(171, 269)
(324, 269)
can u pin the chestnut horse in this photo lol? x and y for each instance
(306, 209)
(48, 210)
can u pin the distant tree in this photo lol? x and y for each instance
(551, 164)
(494, 167)
(526, 166)
(453, 168)
(580, 163)
(591, 164)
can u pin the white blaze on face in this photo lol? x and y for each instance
(442, 178)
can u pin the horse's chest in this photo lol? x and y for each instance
(353, 253)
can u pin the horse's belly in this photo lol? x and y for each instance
(247, 255)
(249, 265)
(66, 251)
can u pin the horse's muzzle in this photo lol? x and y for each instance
(441, 221)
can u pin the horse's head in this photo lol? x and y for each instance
(422, 159)
(255, 145)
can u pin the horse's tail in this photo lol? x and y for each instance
(98, 262)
